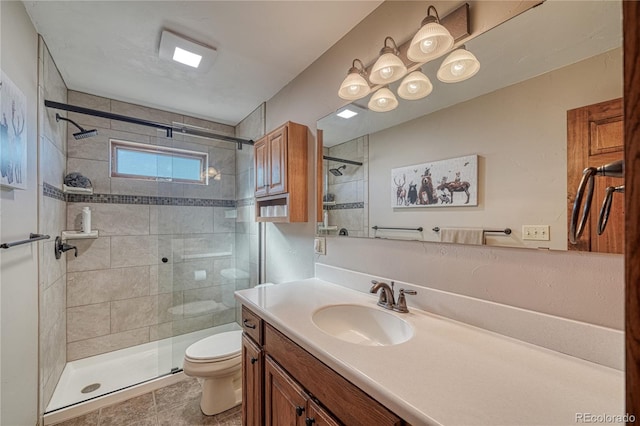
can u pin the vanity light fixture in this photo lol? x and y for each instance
(180, 49)
(415, 86)
(389, 67)
(432, 39)
(458, 66)
(213, 173)
(383, 100)
(355, 85)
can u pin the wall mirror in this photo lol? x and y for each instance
(512, 115)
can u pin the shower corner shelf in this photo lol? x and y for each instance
(73, 190)
(78, 235)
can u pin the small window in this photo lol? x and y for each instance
(141, 161)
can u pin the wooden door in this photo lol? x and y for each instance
(285, 400)
(260, 152)
(595, 136)
(278, 161)
(631, 17)
(318, 416)
(252, 386)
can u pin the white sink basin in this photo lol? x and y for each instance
(362, 325)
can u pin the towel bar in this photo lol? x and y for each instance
(32, 237)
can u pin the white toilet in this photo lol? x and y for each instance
(218, 360)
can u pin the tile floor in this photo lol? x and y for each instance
(174, 405)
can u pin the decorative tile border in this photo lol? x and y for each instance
(245, 202)
(345, 206)
(52, 192)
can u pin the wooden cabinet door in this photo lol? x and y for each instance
(285, 400)
(261, 157)
(252, 386)
(278, 161)
(318, 416)
(595, 136)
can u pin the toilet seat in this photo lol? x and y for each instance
(219, 347)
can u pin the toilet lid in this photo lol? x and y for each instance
(219, 346)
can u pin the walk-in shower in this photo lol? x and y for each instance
(345, 188)
(162, 270)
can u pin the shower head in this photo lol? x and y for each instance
(82, 134)
(337, 172)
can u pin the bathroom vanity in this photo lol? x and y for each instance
(286, 385)
(413, 368)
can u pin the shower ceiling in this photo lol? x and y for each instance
(110, 48)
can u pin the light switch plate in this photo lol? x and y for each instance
(535, 232)
(320, 245)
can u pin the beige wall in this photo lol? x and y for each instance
(119, 292)
(584, 286)
(519, 134)
(19, 217)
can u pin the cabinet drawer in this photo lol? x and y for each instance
(252, 325)
(326, 385)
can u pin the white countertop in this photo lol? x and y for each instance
(448, 373)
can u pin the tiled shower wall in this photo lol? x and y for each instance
(120, 292)
(350, 191)
(52, 220)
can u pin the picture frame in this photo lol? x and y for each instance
(444, 183)
(13, 135)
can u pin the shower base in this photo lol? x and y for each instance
(121, 374)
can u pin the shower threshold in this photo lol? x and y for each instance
(105, 377)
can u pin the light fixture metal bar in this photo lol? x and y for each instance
(457, 22)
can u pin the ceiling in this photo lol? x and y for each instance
(110, 48)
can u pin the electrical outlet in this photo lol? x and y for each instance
(320, 245)
(535, 232)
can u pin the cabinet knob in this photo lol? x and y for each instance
(248, 324)
(299, 410)
(254, 360)
(309, 421)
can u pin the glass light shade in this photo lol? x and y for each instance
(382, 101)
(354, 87)
(458, 66)
(387, 69)
(430, 42)
(415, 86)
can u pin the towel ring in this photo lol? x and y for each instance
(603, 218)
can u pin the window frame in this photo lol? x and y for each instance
(116, 144)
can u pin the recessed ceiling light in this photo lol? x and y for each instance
(188, 52)
(347, 113)
(186, 57)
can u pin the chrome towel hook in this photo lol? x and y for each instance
(615, 169)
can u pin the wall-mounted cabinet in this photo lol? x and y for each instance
(281, 175)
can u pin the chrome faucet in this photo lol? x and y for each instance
(387, 299)
(401, 306)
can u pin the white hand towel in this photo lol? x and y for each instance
(474, 236)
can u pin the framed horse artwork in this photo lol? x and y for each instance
(443, 183)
